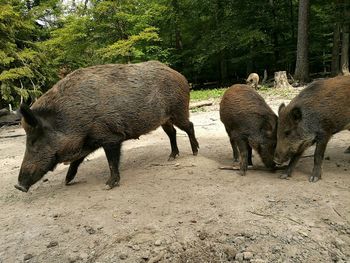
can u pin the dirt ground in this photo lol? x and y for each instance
(185, 210)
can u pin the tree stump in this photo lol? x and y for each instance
(281, 80)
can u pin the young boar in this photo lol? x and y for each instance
(319, 111)
(250, 123)
(102, 106)
(253, 80)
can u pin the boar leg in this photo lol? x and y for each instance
(187, 126)
(234, 149)
(347, 150)
(73, 169)
(250, 150)
(243, 152)
(292, 163)
(113, 156)
(171, 132)
(318, 159)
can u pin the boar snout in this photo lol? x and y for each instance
(21, 188)
(280, 158)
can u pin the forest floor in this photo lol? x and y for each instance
(186, 210)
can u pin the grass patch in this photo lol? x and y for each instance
(287, 93)
(207, 94)
(197, 95)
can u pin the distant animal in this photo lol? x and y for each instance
(253, 80)
(250, 124)
(312, 117)
(102, 106)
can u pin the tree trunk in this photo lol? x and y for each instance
(344, 62)
(335, 50)
(178, 38)
(302, 63)
(281, 80)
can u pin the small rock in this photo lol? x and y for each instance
(337, 164)
(258, 260)
(52, 244)
(145, 255)
(90, 230)
(128, 212)
(239, 257)
(327, 158)
(303, 233)
(123, 256)
(136, 247)
(177, 164)
(158, 242)
(238, 240)
(247, 255)
(338, 243)
(276, 249)
(27, 257)
(45, 180)
(202, 235)
(230, 252)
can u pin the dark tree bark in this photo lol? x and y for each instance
(335, 50)
(344, 62)
(178, 38)
(302, 64)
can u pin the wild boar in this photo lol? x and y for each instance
(319, 111)
(250, 123)
(102, 106)
(253, 80)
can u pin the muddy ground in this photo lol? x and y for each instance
(185, 210)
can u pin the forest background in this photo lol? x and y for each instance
(212, 42)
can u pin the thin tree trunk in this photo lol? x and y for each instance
(344, 62)
(178, 38)
(302, 63)
(335, 50)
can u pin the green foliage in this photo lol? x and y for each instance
(206, 40)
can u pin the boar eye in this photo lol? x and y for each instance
(287, 133)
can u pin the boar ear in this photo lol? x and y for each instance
(28, 115)
(267, 128)
(281, 107)
(296, 114)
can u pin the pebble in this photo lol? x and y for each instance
(238, 240)
(202, 235)
(247, 255)
(90, 230)
(52, 244)
(136, 247)
(230, 252)
(123, 256)
(27, 257)
(145, 255)
(158, 242)
(239, 257)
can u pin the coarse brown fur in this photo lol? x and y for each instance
(250, 123)
(102, 106)
(319, 111)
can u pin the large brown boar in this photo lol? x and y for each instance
(102, 106)
(319, 111)
(250, 123)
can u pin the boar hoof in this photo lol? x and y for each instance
(284, 176)
(21, 188)
(313, 179)
(109, 187)
(172, 156)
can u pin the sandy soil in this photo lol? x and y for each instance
(185, 210)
